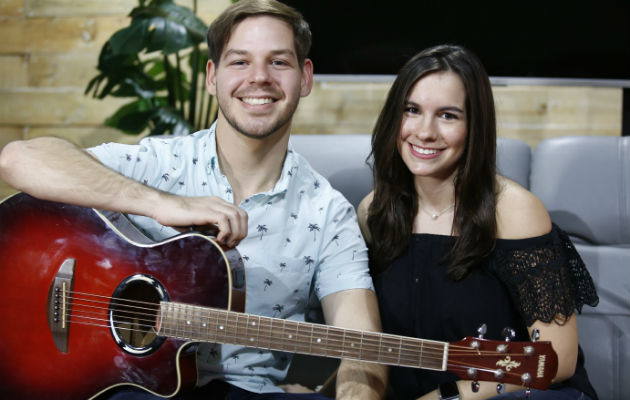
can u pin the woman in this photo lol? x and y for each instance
(454, 245)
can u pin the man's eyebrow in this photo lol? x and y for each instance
(239, 52)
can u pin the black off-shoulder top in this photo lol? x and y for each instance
(521, 281)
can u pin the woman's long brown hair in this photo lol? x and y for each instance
(395, 203)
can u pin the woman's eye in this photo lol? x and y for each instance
(412, 110)
(449, 116)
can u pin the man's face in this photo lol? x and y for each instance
(258, 82)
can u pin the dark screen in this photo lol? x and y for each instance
(559, 39)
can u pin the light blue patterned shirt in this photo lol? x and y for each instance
(303, 241)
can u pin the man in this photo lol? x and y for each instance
(297, 235)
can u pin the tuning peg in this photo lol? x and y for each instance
(474, 386)
(535, 335)
(481, 331)
(500, 388)
(509, 333)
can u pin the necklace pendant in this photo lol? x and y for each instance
(434, 216)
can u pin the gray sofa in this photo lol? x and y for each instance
(585, 184)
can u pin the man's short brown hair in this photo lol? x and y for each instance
(221, 28)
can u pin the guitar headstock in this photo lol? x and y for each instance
(529, 364)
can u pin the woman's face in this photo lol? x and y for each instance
(433, 129)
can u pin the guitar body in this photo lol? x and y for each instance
(83, 358)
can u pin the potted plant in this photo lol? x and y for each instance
(156, 61)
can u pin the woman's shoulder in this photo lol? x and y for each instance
(520, 214)
(362, 215)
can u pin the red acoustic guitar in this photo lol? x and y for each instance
(88, 303)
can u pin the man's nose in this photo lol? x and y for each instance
(260, 74)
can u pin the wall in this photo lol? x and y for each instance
(49, 49)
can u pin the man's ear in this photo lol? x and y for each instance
(307, 78)
(211, 78)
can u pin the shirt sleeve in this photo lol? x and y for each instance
(133, 161)
(546, 277)
(155, 162)
(343, 258)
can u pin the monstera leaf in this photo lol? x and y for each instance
(156, 60)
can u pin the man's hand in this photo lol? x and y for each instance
(178, 212)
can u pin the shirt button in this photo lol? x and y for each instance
(417, 280)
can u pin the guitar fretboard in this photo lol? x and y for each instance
(203, 324)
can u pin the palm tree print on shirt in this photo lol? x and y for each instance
(313, 228)
(262, 229)
(308, 261)
(277, 309)
(267, 282)
(282, 266)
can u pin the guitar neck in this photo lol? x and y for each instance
(204, 324)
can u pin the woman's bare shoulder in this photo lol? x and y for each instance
(520, 214)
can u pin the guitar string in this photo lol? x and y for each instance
(453, 366)
(424, 348)
(154, 310)
(321, 327)
(152, 316)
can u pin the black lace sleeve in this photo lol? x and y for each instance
(546, 277)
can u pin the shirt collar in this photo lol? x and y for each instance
(290, 166)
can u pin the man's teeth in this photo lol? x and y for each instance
(424, 151)
(257, 100)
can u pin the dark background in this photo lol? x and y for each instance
(555, 39)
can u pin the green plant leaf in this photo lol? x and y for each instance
(133, 87)
(166, 119)
(132, 39)
(168, 26)
(163, 91)
(168, 36)
(184, 16)
(132, 118)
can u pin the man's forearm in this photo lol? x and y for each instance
(54, 169)
(361, 380)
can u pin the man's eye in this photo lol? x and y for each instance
(279, 62)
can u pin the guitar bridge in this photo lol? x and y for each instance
(59, 304)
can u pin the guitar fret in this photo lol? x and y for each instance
(390, 350)
(319, 340)
(258, 330)
(221, 326)
(290, 335)
(370, 349)
(352, 344)
(361, 347)
(335, 340)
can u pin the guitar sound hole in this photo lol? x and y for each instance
(133, 314)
